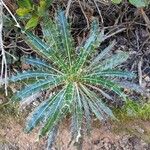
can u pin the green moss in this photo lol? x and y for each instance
(134, 119)
(133, 110)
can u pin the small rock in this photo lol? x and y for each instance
(147, 78)
(1, 101)
(139, 129)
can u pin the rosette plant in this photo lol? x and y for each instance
(79, 77)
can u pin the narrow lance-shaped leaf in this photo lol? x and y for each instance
(36, 116)
(132, 86)
(77, 116)
(69, 96)
(111, 62)
(51, 137)
(93, 106)
(98, 102)
(53, 113)
(101, 91)
(51, 34)
(31, 74)
(37, 44)
(87, 112)
(113, 73)
(106, 84)
(42, 48)
(91, 43)
(65, 34)
(41, 64)
(39, 86)
(43, 112)
(102, 55)
(58, 110)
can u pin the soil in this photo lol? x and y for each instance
(129, 135)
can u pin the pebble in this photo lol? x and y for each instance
(147, 79)
(139, 129)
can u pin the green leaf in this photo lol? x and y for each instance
(87, 113)
(65, 35)
(41, 64)
(23, 11)
(43, 6)
(38, 86)
(25, 4)
(53, 114)
(91, 102)
(77, 116)
(69, 96)
(97, 105)
(102, 55)
(51, 137)
(44, 111)
(32, 23)
(139, 3)
(59, 109)
(91, 43)
(131, 86)
(43, 49)
(36, 116)
(31, 74)
(116, 1)
(104, 83)
(114, 73)
(51, 34)
(111, 62)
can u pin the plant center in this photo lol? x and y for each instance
(72, 78)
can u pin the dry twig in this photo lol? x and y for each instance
(87, 21)
(68, 7)
(3, 77)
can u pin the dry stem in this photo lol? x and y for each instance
(3, 76)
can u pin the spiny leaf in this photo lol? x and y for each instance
(86, 112)
(63, 28)
(69, 96)
(30, 74)
(52, 136)
(51, 34)
(37, 44)
(39, 86)
(102, 55)
(36, 116)
(114, 73)
(111, 62)
(53, 114)
(77, 116)
(58, 110)
(91, 43)
(105, 83)
(41, 64)
(98, 103)
(131, 86)
(42, 48)
(93, 107)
